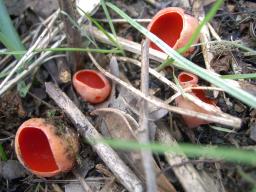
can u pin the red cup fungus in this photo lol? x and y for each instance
(190, 80)
(174, 27)
(91, 85)
(44, 149)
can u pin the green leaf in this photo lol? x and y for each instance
(187, 65)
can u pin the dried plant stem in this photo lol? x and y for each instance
(173, 97)
(30, 68)
(124, 21)
(204, 35)
(87, 131)
(29, 53)
(74, 38)
(213, 32)
(234, 122)
(143, 131)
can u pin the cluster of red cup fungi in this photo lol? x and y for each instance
(46, 152)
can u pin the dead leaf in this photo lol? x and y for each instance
(11, 169)
(43, 7)
(221, 63)
(17, 7)
(121, 125)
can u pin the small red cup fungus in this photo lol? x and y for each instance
(174, 27)
(190, 80)
(91, 85)
(44, 149)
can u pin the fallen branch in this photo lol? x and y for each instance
(87, 131)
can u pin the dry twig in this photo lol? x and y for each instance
(87, 131)
(143, 131)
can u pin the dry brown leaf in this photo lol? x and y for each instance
(121, 125)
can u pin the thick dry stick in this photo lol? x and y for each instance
(187, 174)
(87, 131)
(74, 38)
(143, 129)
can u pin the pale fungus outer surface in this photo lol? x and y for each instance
(174, 27)
(190, 80)
(91, 85)
(45, 150)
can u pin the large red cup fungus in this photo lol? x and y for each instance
(190, 80)
(44, 149)
(174, 27)
(91, 85)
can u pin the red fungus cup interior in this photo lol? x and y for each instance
(167, 27)
(91, 79)
(201, 95)
(187, 79)
(35, 150)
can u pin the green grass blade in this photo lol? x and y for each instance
(100, 27)
(187, 65)
(3, 155)
(105, 9)
(61, 49)
(76, 25)
(6, 41)
(240, 76)
(223, 153)
(6, 27)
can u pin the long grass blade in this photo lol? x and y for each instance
(61, 49)
(187, 65)
(222, 153)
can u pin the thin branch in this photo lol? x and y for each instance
(143, 131)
